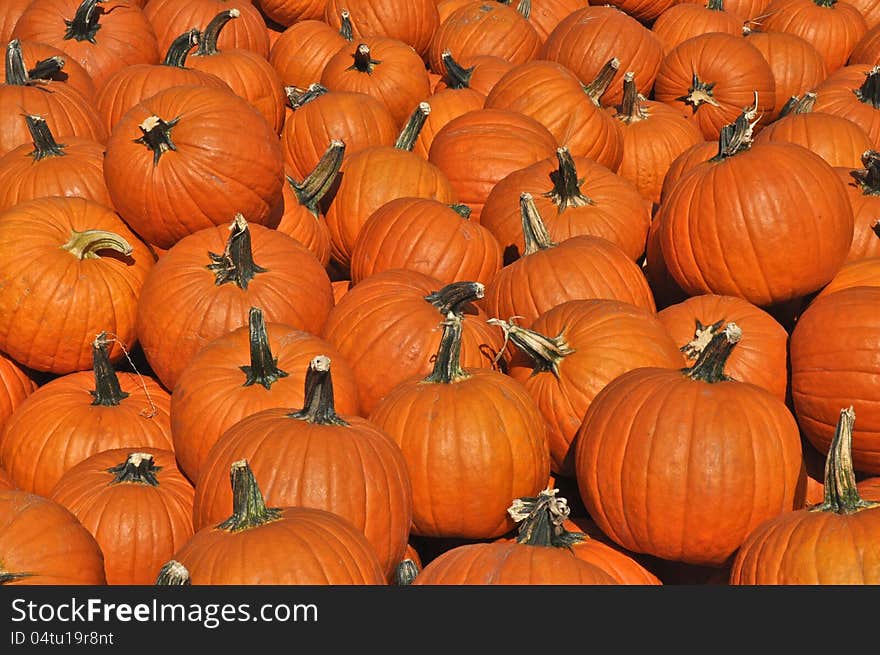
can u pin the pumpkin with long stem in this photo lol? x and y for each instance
(854, 93)
(480, 74)
(446, 104)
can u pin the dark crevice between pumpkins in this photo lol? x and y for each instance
(249, 509)
(263, 369)
(546, 353)
(107, 391)
(173, 573)
(236, 262)
(312, 190)
(138, 468)
(319, 406)
(85, 23)
(712, 359)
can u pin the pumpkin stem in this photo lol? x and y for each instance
(875, 227)
(236, 264)
(208, 42)
(457, 76)
(405, 573)
(736, 137)
(107, 391)
(841, 492)
(156, 135)
(312, 190)
(710, 363)
(699, 93)
(541, 521)
(48, 69)
(180, 47)
(869, 177)
(16, 71)
(6, 576)
(715, 5)
(297, 97)
(263, 369)
(796, 105)
(566, 191)
(363, 60)
(454, 297)
(597, 88)
(630, 109)
(345, 29)
(447, 363)
(703, 334)
(869, 92)
(138, 468)
(461, 209)
(44, 142)
(173, 573)
(87, 244)
(319, 406)
(545, 352)
(410, 132)
(85, 23)
(535, 232)
(248, 507)
(825, 3)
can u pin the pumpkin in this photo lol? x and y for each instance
(44, 544)
(867, 50)
(6, 483)
(749, 11)
(684, 20)
(172, 169)
(48, 168)
(645, 11)
(205, 285)
(550, 273)
(696, 154)
(302, 50)
(103, 36)
(834, 367)
(242, 372)
(854, 93)
(426, 235)
(869, 10)
(684, 464)
(52, 65)
(542, 553)
(826, 544)
(288, 12)
(413, 22)
(314, 457)
(295, 545)
(446, 105)
(854, 273)
(480, 74)
(572, 351)
(9, 15)
(862, 185)
(69, 268)
(15, 386)
(136, 504)
(463, 430)
(99, 409)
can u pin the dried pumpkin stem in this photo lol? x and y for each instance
(703, 334)
(541, 521)
(156, 135)
(345, 29)
(107, 391)
(566, 191)
(297, 97)
(869, 92)
(447, 364)
(363, 59)
(87, 244)
(545, 352)
(736, 137)
(535, 232)
(16, 71)
(710, 363)
(631, 109)
(263, 369)
(173, 573)
(7, 577)
(405, 573)
(44, 142)
(715, 5)
(208, 40)
(138, 468)
(868, 178)
(699, 93)
(248, 507)
(319, 406)
(455, 75)
(47, 69)
(312, 190)
(236, 263)
(180, 47)
(597, 88)
(85, 22)
(461, 209)
(410, 132)
(799, 105)
(455, 296)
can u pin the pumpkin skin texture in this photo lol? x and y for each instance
(301, 218)
(479, 72)
(446, 104)
(747, 10)
(314, 457)
(165, 194)
(213, 392)
(44, 544)
(578, 347)
(9, 15)
(387, 318)
(867, 50)
(205, 285)
(288, 12)
(862, 184)
(684, 469)
(91, 280)
(760, 357)
(6, 483)
(598, 549)
(136, 504)
(413, 23)
(15, 386)
(854, 273)
(296, 545)
(837, 369)
(303, 49)
(853, 92)
(79, 414)
(836, 139)
(684, 20)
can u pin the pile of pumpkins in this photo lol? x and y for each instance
(384, 292)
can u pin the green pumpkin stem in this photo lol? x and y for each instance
(736, 137)
(297, 97)
(173, 573)
(869, 92)
(248, 507)
(47, 69)
(263, 369)
(630, 109)
(461, 209)
(841, 492)
(345, 29)
(236, 263)
(44, 142)
(405, 573)
(447, 363)
(535, 232)
(597, 88)
(868, 178)
(208, 40)
(88, 244)
(566, 191)
(312, 190)
(179, 49)
(410, 132)
(138, 468)
(156, 135)
(711, 361)
(363, 59)
(85, 22)
(16, 71)
(541, 521)
(455, 75)
(455, 297)
(107, 391)
(319, 406)
(545, 352)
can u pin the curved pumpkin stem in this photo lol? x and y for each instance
(841, 492)
(319, 406)
(180, 47)
(407, 137)
(545, 352)
(630, 109)
(107, 391)
(87, 244)
(535, 231)
(710, 363)
(248, 507)
(597, 88)
(44, 142)
(312, 190)
(138, 468)
(208, 41)
(85, 22)
(454, 298)
(363, 59)
(263, 369)
(541, 521)
(456, 76)
(868, 177)
(173, 573)
(405, 573)
(566, 191)
(736, 137)
(869, 92)
(236, 263)
(447, 364)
